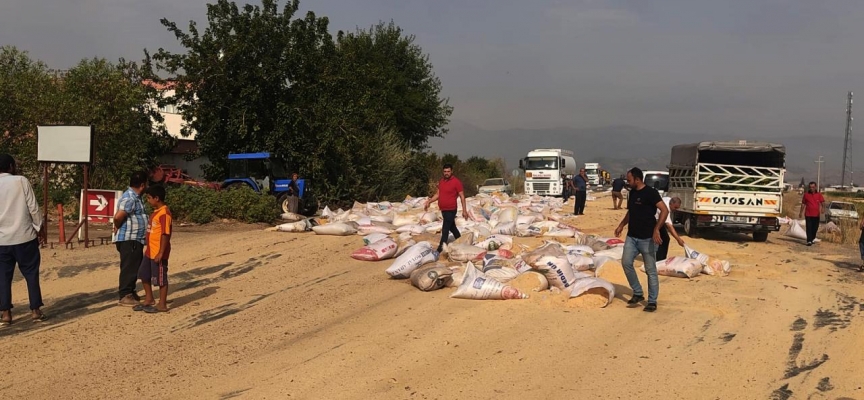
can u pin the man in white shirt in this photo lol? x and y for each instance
(672, 203)
(20, 224)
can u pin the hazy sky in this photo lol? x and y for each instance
(763, 67)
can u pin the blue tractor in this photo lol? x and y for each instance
(265, 173)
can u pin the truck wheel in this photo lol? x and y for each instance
(690, 227)
(760, 236)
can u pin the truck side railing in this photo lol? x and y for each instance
(726, 177)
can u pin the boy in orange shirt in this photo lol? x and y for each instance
(154, 267)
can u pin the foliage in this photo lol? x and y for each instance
(199, 205)
(110, 96)
(350, 114)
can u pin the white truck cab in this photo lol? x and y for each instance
(545, 170)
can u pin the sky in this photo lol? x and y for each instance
(770, 68)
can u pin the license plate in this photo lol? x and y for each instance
(737, 220)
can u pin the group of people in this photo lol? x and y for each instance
(648, 222)
(144, 243)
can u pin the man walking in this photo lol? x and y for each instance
(812, 205)
(20, 224)
(449, 188)
(643, 236)
(130, 225)
(672, 204)
(580, 184)
(617, 195)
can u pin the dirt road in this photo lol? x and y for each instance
(267, 315)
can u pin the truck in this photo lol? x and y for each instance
(266, 173)
(545, 170)
(594, 172)
(731, 186)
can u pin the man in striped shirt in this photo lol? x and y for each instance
(130, 226)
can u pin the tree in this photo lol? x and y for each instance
(29, 98)
(109, 96)
(260, 79)
(129, 134)
(391, 83)
(238, 82)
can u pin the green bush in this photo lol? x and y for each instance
(200, 206)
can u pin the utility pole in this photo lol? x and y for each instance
(819, 173)
(847, 144)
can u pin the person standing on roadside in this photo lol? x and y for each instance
(812, 205)
(20, 228)
(449, 189)
(130, 226)
(617, 195)
(643, 237)
(580, 184)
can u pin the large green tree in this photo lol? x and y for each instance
(350, 113)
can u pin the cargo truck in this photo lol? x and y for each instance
(545, 170)
(732, 186)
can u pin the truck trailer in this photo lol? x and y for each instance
(731, 186)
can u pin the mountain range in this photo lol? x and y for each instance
(618, 148)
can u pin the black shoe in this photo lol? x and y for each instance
(634, 301)
(650, 307)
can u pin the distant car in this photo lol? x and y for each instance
(839, 210)
(495, 185)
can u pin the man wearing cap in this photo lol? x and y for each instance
(20, 224)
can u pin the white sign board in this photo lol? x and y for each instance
(65, 144)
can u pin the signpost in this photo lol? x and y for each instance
(101, 205)
(64, 144)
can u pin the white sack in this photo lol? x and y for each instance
(585, 284)
(336, 229)
(380, 250)
(415, 256)
(475, 285)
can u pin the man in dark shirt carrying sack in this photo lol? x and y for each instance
(449, 188)
(643, 236)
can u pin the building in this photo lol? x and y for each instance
(174, 124)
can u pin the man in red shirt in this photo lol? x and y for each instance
(811, 207)
(449, 188)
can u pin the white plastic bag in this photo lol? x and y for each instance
(477, 286)
(680, 267)
(499, 269)
(710, 265)
(288, 216)
(585, 284)
(299, 226)
(557, 270)
(413, 229)
(579, 249)
(507, 228)
(463, 252)
(580, 263)
(336, 229)
(415, 256)
(371, 228)
(431, 277)
(373, 237)
(495, 242)
(380, 250)
(796, 231)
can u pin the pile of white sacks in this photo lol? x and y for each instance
(484, 261)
